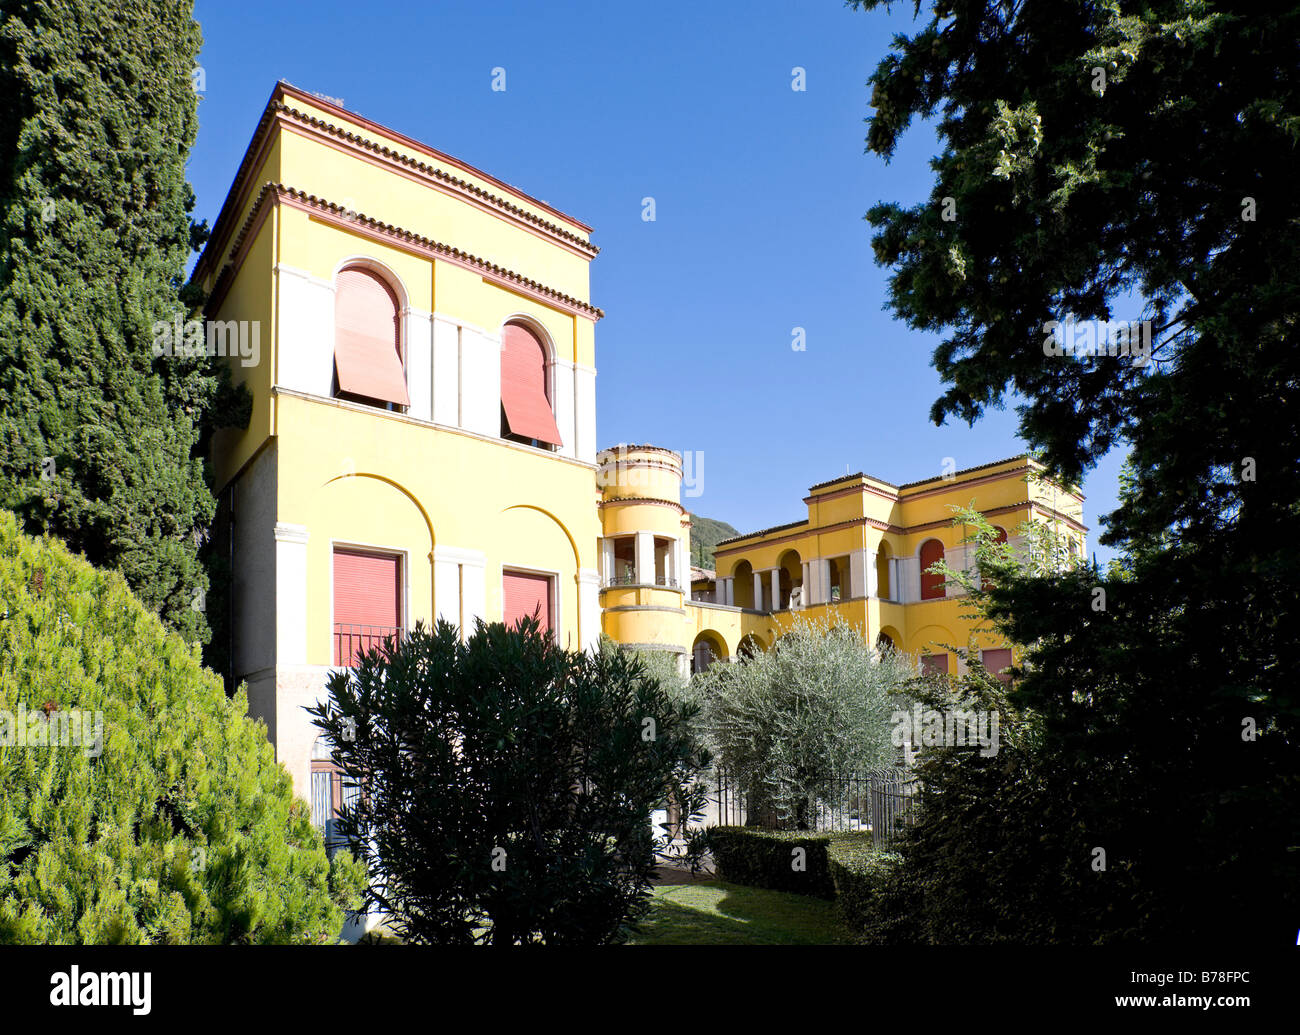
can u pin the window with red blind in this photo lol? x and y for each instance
(367, 602)
(525, 404)
(934, 664)
(931, 585)
(367, 340)
(526, 593)
(997, 661)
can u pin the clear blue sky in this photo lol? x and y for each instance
(760, 193)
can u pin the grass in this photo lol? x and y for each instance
(717, 913)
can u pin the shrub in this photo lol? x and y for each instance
(790, 722)
(508, 783)
(175, 824)
(765, 858)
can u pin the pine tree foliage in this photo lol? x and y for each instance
(175, 825)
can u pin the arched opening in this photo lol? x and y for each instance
(742, 585)
(789, 578)
(749, 647)
(368, 362)
(932, 583)
(888, 640)
(707, 650)
(883, 588)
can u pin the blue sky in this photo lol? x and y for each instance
(759, 191)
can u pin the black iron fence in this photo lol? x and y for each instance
(880, 802)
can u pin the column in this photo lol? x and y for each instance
(645, 557)
(822, 565)
(758, 591)
(807, 583)
(776, 589)
(607, 560)
(861, 571)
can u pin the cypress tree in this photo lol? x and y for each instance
(99, 440)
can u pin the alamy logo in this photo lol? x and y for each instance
(124, 988)
(52, 727)
(955, 727)
(240, 339)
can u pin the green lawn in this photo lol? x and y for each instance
(717, 913)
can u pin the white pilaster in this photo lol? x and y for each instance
(562, 392)
(480, 382)
(457, 575)
(290, 594)
(589, 608)
(584, 413)
(418, 339)
(607, 560)
(446, 371)
(305, 332)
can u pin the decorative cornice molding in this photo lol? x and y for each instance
(288, 533)
(443, 178)
(356, 222)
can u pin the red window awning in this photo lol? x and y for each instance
(523, 386)
(367, 356)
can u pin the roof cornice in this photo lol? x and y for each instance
(357, 222)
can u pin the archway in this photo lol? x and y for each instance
(789, 578)
(742, 585)
(709, 647)
(883, 588)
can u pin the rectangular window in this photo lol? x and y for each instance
(526, 593)
(997, 662)
(367, 602)
(934, 664)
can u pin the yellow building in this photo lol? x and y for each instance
(419, 343)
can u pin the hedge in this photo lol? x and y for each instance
(863, 876)
(764, 858)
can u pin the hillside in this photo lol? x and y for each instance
(706, 533)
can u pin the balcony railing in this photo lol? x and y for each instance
(629, 578)
(351, 641)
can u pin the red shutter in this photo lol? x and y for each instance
(525, 595)
(934, 664)
(367, 601)
(523, 386)
(996, 661)
(931, 585)
(367, 347)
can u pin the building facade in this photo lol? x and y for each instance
(423, 442)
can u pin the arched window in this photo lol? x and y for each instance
(526, 414)
(368, 340)
(931, 584)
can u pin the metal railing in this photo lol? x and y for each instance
(880, 802)
(351, 641)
